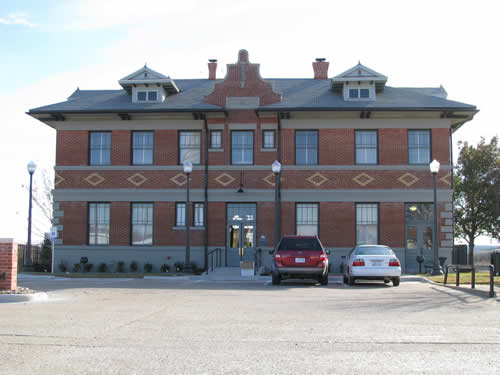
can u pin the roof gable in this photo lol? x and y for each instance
(147, 76)
(144, 73)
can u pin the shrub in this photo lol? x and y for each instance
(102, 267)
(62, 267)
(76, 267)
(165, 268)
(88, 267)
(179, 266)
(148, 267)
(120, 267)
(134, 266)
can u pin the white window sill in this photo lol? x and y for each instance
(215, 149)
(268, 149)
(190, 228)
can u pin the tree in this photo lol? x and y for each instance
(477, 192)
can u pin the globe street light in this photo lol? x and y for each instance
(276, 168)
(188, 168)
(434, 167)
(27, 256)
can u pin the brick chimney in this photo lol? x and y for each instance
(320, 67)
(212, 69)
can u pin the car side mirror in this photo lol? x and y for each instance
(327, 252)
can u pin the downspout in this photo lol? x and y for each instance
(278, 181)
(205, 217)
(453, 191)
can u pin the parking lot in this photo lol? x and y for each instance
(195, 326)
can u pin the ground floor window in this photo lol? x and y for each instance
(366, 223)
(98, 223)
(198, 215)
(142, 223)
(307, 219)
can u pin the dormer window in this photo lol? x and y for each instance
(359, 83)
(147, 96)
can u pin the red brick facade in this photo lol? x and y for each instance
(8, 264)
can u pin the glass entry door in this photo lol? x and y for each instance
(241, 233)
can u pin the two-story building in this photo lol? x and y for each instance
(355, 159)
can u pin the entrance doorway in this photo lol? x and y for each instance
(241, 232)
(418, 217)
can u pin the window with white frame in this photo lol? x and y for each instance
(216, 139)
(359, 93)
(98, 223)
(180, 214)
(100, 148)
(307, 219)
(306, 147)
(419, 146)
(366, 146)
(199, 215)
(147, 96)
(242, 147)
(366, 223)
(142, 148)
(190, 147)
(268, 137)
(142, 223)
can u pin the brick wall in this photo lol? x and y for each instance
(392, 224)
(121, 147)
(74, 222)
(393, 146)
(337, 224)
(336, 146)
(8, 264)
(72, 147)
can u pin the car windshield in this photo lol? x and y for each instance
(310, 243)
(374, 251)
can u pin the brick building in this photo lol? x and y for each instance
(354, 155)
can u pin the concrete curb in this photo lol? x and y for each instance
(478, 292)
(15, 298)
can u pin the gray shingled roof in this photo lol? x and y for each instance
(298, 94)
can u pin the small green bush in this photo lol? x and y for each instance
(179, 266)
(165, 268)
(148, 267)
(62, 267)
(76, 267)
(133, 266)
(120, 266)
(88, 267)
(102, 267)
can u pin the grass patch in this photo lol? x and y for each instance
(111, 275)
(465, 278)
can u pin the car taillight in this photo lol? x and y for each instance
(394, 263)
(322, 258)
(358, 263)
(277, 257)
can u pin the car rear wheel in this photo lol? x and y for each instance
(276, 278)
(395, 281)
(324, 279)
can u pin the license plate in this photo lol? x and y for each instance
(377, 262)
(300, 260)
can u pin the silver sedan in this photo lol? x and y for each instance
(372, 262)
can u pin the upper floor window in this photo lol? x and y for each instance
(366, 147)
(180, 214)
(268, 137)
(307, 219)
(198, 217)
(142, 148)
(147, 96)
(366, 223)
(100, 148)
(419, 146)
(364, 93)
(353, 93)
(98, 223)
(306, 147)
(142, 223)
(359, 93)
(242, 147)
(190, 147)
(215, 139)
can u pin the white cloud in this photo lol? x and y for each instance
(16, 19)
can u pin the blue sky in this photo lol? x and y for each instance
(50, 47)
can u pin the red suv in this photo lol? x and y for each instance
(300, 257)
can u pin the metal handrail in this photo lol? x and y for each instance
(468, 267)
(217, 253)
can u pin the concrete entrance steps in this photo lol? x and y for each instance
(231, 274)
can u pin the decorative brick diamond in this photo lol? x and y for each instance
(94, 179)
(58, 179)
(270, 179)
(137, 179)
(179, 179)
(408, 179)
(446, 179)
(363, 179)
(317, 179)
(224, 179)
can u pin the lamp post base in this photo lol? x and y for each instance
(187, 269)
(436, 271)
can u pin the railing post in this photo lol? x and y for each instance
(457, 283)
(445, 274)
(492, 281)
(473, 279)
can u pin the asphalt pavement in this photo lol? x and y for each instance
(196, 326)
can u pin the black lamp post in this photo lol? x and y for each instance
(27, 256)
(276, 168)
(434, 167)
(188, 168)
